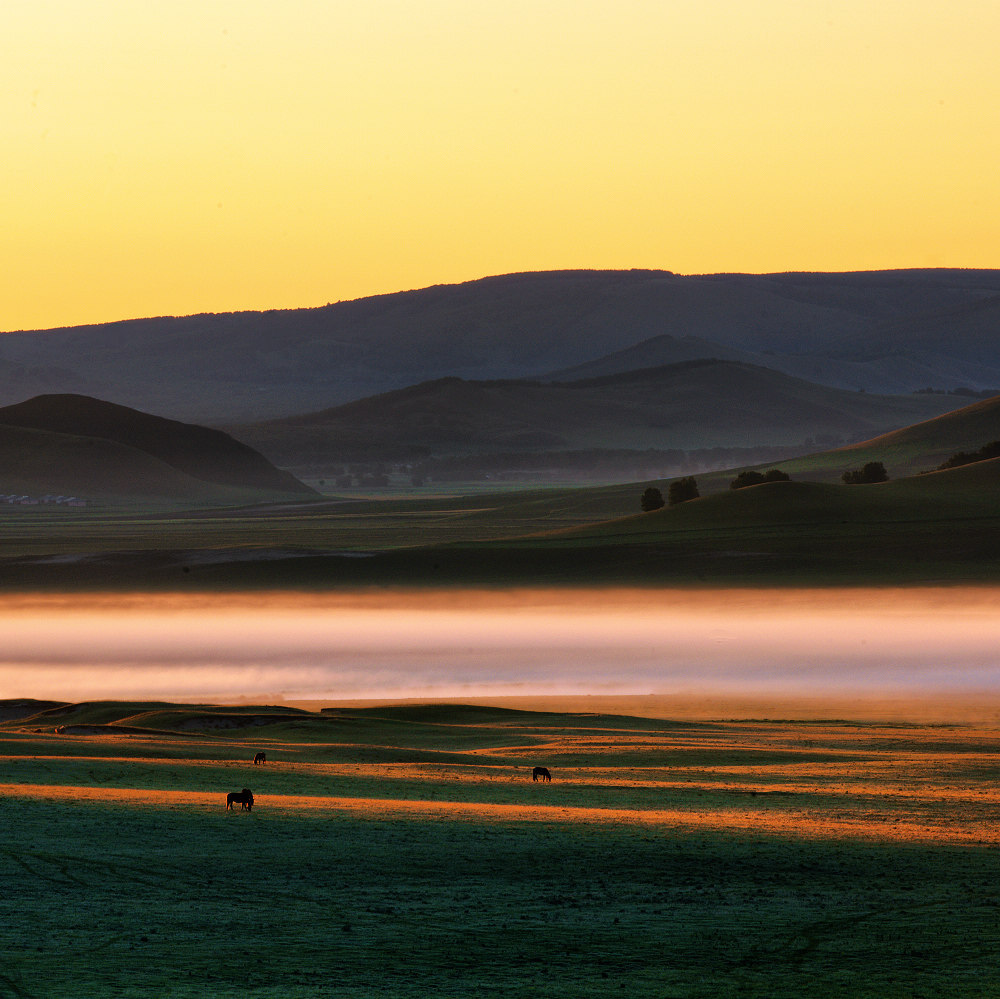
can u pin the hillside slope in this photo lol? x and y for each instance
(39, 462)
(199, 452)
(941, 528)
(970, 491)
(911, 450)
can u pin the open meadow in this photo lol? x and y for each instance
(406, 851)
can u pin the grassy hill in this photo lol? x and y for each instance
(75, 445)
(37, 462)
(911, 450)
(846, 330)
(970, 491)
(940, 528)
(690, 405)
(200, 452)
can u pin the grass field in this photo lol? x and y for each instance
(405, 851)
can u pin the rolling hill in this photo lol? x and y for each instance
(691, 405)
(971, 491)
(73, 444)
(884, 332)
(911, 450)
(940, 528)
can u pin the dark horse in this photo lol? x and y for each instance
(244, 797)
(542, 773)
(260, 758)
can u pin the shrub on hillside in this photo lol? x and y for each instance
(874, 471)
(751, 478)
(744, 479)
(682, 490)
(652, 499)
(991, 450)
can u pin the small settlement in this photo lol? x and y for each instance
(17, 499)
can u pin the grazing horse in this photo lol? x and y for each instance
(260, 758)
(541, 772)
(244, 797)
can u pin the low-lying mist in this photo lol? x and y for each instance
(724, 644)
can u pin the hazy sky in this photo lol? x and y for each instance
(214, 155)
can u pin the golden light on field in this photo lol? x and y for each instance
(169, 159)
(829, 781)
(863, 644)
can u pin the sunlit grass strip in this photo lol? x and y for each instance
(749, 821)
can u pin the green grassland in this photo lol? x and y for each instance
(119, 896)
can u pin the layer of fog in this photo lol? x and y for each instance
(866, 643)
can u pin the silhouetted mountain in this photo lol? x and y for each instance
(111, 435)
(695, 404)
(846, 330)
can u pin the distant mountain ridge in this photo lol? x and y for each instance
(886, 332)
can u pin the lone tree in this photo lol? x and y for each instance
(682, 490)
(652, 499)
(874, 471)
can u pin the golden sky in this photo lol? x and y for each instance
(212, 155)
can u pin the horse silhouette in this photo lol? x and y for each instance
(260, 758)
(244, 797)
(541, 773)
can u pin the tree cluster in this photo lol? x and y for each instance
(873, 471)
(682, 490)
(991, 450)
(752, 478)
